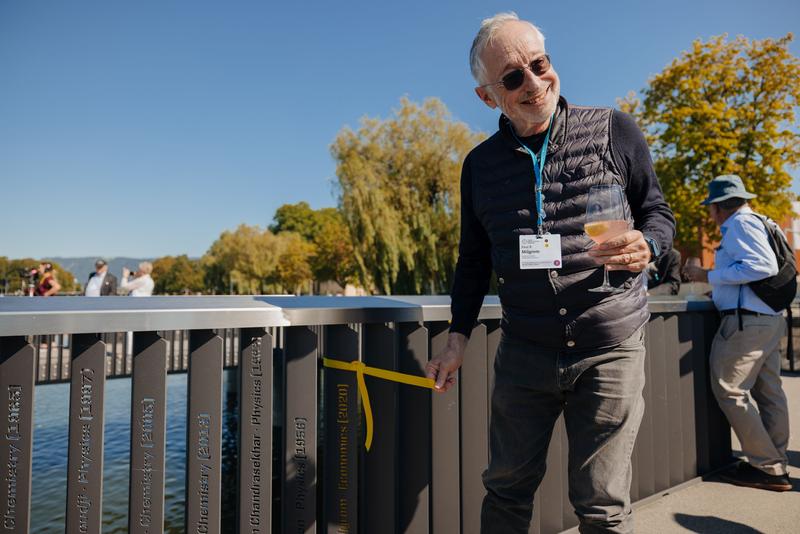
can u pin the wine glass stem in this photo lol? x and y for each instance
(605, 276)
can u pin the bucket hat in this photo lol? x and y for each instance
(725, 187)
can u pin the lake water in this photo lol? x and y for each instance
(49, 484)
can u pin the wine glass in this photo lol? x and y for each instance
(605, 218)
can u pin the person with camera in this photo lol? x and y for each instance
(46, 283)
(141, 285)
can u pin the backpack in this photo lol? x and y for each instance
(778, 291)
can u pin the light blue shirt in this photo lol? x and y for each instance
(743, 256)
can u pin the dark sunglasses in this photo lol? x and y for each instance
(514, 79)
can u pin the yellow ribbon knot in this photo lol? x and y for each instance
(393, 376)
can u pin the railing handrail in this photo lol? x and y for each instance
(21, 316)
(424, 467)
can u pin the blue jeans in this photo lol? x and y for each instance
(600, 393)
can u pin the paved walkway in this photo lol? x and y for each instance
(712, 507)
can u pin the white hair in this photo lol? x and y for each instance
(146, 267)
(489, 28)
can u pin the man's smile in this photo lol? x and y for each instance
(536, 99)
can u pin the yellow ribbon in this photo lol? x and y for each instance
(360, 370)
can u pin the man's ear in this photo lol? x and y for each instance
(485, 97)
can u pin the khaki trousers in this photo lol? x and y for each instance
(748, 360)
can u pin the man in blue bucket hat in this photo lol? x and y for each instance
(745, 355)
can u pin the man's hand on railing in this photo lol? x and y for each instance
(443, 367)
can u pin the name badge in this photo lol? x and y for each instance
(540, 251)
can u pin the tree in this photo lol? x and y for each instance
(398, 185)
(299, 218)
(332, 256)
(239, 262)
(292, 268)
(251, 261)
(178, 275)
(723, 107)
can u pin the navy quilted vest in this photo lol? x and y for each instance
(554, 307)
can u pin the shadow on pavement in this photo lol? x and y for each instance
(707, 524)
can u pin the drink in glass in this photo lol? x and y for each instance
(605, 219)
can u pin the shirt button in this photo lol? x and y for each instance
(501, 281)
(570, 343)
(553, 274)
(562, 311)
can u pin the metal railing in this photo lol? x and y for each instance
(301, 463)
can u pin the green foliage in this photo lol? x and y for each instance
(723, 107)
(334, 257)
(399, 194)
(292, 267)
(251, 261)
(299, 218)
(178, 275)
(239, 262)
(332, 251)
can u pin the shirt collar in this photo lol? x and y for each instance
(729, 220)
(556, 135)
(742, 210)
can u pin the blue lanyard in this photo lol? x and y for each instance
(538, 166)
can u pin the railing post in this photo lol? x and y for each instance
(445, 446)
(255, 431)
(342, 417)
(85, 456)
(204, 434)
(474, 429)
(379, 486)
(299, 476)
(17, 378)
(148, 431)
(414, 434)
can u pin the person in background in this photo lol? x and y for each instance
(141, 285)
(664, 274)
(745, 354)
(101, 282)
(47, 285)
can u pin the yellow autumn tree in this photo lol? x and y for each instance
(325, 228)
(178, 275)
(723, 107)
(399, 193)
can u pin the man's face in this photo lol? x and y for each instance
(530, 106)
(716, 214)
(100, 269)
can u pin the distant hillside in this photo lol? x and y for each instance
(81, 268)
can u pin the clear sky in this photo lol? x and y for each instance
(147, 128)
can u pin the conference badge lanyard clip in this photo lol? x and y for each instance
(543, 250)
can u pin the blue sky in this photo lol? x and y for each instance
(147, 128)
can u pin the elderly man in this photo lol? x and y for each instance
(564, 348)
(745, 353)
(142, 284)
(101, 282)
